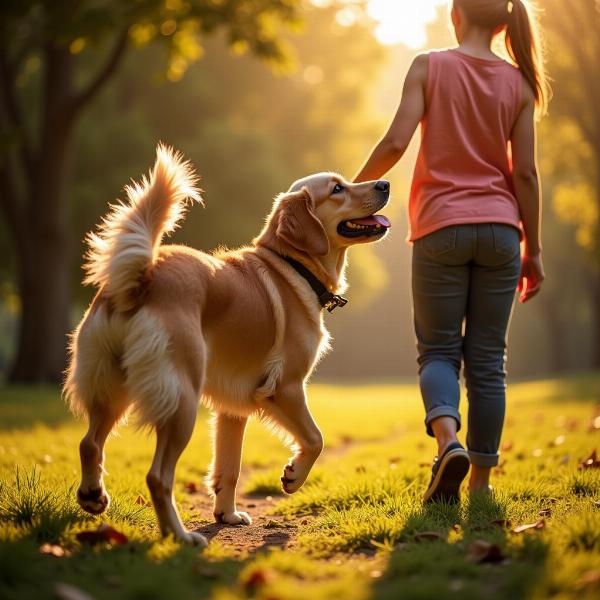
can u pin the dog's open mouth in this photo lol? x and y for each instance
(375, 225)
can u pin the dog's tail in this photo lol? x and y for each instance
(124, 249)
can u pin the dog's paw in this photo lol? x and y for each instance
(289, 483)
(233, 518)
(194, 538)
(94, 501)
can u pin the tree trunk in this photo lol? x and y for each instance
(44, 256)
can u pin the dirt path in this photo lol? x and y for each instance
(266, 531)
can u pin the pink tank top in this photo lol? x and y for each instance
(463, 170)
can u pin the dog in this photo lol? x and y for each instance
(241, 330)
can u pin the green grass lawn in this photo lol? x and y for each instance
(356, 530)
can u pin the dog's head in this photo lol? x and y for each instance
(323, 213)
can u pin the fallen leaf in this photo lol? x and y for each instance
(104, 533)
(545, 512)
(537, 525)
(52, 550)
(141, 500)
(507, 446)
(256, 579)
(304, 522)
(191, 487)
(589, 578)
(427, 536)
(481, 551)
(591, 462)
(65, 591)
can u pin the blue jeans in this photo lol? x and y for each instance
(466, 274)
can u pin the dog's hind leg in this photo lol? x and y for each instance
(225, 470)
(288, 410)
(92, 495)
(171, 440)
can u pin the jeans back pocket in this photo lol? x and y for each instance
(507, 240)
(441, 241)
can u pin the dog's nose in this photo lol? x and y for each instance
(382, 186)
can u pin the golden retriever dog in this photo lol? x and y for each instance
(240, 330)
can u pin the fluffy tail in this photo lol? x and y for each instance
(124, 249)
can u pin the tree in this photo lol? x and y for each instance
(47, 50)
(574, 57)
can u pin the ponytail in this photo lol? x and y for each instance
(524, 47)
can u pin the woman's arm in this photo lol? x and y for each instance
(410, 112)
(527, 189)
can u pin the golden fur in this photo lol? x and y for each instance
(239, 329)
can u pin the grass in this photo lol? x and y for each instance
(361, 532)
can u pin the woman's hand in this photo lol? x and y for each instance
(532, 276)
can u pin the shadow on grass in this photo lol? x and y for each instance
(24, 406)
(433, 560)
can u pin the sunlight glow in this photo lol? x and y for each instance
(403, 21)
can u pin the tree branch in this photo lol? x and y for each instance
(105, 72)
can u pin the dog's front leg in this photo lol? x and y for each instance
(289, 410)
(225, 470)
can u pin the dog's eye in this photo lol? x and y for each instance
(338, 188)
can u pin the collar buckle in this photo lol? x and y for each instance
(334, 302)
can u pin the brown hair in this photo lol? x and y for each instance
(523, 39)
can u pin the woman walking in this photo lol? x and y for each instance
(474, 195)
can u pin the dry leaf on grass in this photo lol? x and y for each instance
(141, 500)
(103, 534)
(257, 579)
(52, 550)
(589, 579)
(481, 551)
(537, 525)
(591, 462)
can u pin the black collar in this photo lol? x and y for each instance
(326, 298)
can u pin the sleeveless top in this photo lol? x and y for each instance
(463, 172)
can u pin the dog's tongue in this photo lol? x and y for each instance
(373, 220)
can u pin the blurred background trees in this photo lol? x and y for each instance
(328, 91)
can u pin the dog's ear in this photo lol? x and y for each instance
(299, 226)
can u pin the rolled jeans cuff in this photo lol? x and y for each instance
(480, 459)
(441, 411)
